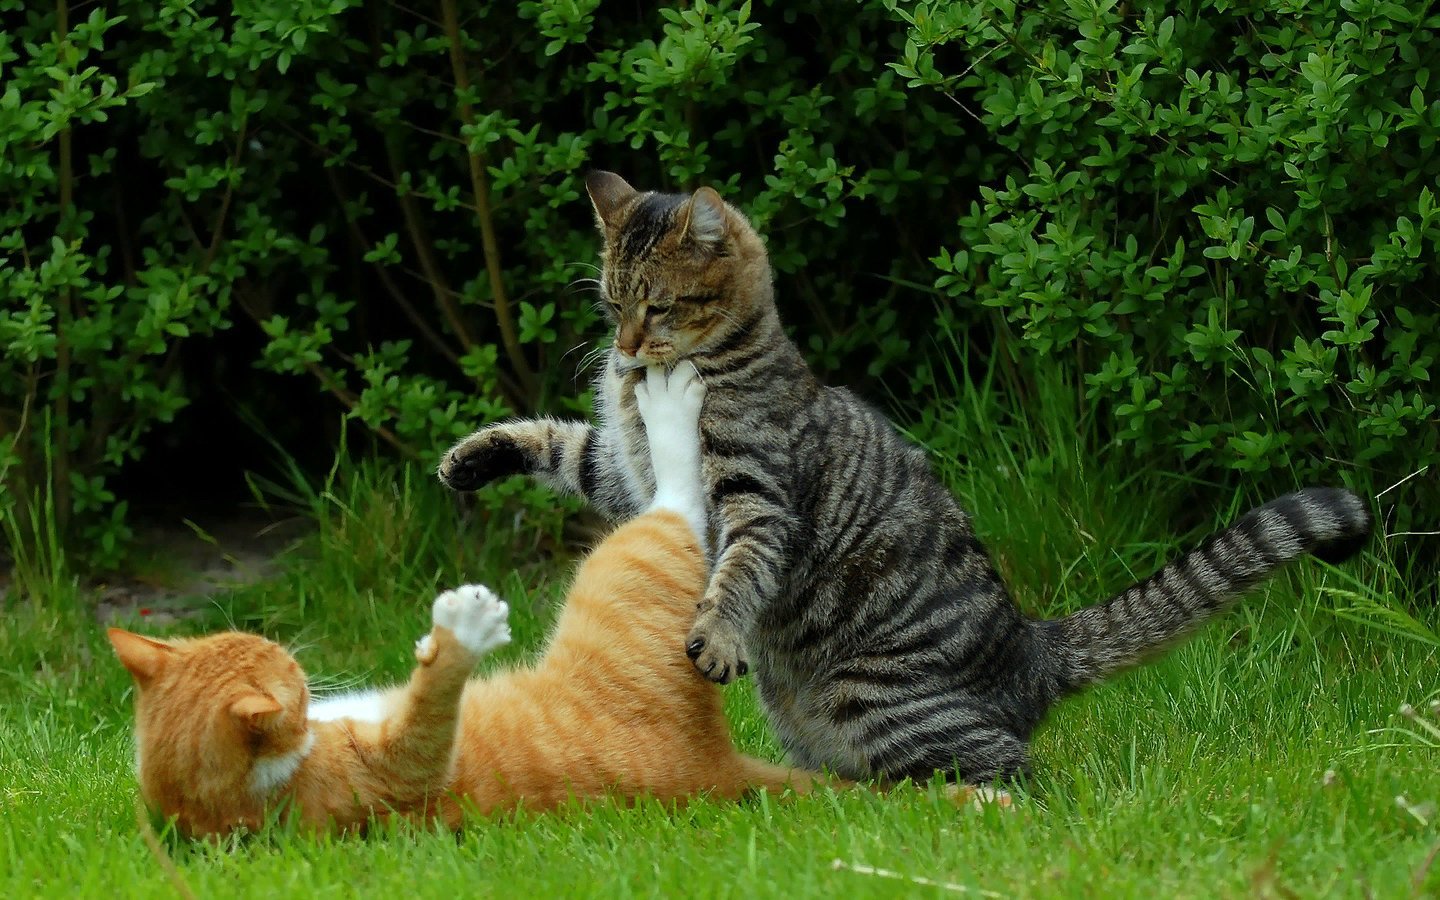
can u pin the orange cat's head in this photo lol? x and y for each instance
(220, 725)
(682, 272)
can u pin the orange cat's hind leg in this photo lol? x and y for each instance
(978, 796)
(753, 775)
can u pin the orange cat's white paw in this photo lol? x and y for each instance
(479, 620)
(670, 404)
(670, 408)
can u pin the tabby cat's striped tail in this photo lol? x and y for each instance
(1329, 523)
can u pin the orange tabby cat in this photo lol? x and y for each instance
(225, 727)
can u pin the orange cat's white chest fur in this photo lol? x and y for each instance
(363, 706)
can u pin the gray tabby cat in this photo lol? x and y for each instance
(882, 640)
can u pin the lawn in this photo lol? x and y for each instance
(1259, 758)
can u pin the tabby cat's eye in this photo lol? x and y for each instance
(614, 308)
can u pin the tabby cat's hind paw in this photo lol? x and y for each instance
(478, 618)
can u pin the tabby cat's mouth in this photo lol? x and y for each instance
(662, 356)
(658, 356)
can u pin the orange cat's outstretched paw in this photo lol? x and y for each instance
(478, 619)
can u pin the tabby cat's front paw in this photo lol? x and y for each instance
(483, 457)
(716, 648)
(479, 620)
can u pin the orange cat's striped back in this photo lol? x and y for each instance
(614, 705)
(612, 708)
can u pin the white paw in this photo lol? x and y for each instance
(671, 405)
(479, 619)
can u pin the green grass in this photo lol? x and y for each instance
(1203, 774)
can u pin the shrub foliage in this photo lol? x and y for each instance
(1226, 217)
(1220, 219)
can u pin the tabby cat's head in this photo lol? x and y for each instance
(220, 725)
(682, 272)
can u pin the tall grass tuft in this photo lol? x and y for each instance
(1068, 516)
(39, 569)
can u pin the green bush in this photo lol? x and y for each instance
(1224, 218)
(392, 196)
(1218, 217)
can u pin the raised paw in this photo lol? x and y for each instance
(483, 457)
(716, 649)
(478, 619)
(671, 401)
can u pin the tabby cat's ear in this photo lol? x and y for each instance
(143, 656)
(256, 711)
(609, 193)
(705, 218)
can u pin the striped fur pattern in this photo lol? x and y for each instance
(846, 576)
(227, 731)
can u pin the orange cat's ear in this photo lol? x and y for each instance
(705, 218)
(256, 711)
(143, 656)
(608, 194)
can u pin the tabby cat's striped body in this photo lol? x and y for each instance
(882, 640)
